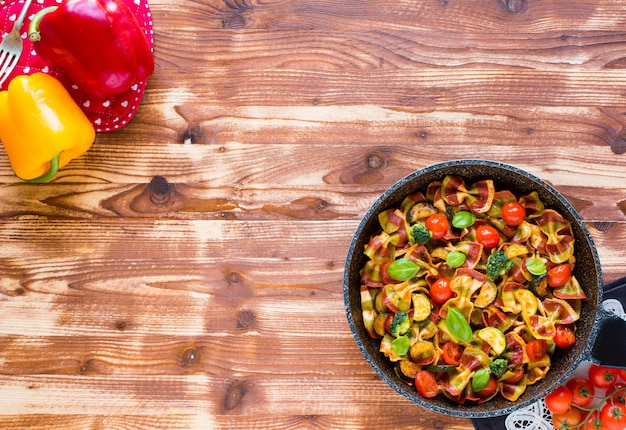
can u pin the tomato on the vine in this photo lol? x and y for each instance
(564, 336)
(560, 400)
(593, 421)
(559, 275)
(438, 225)
(513, 213)
(452, 353)
(568, 419)
(426, 384)
(488, 236)
(620, 394)
(613, 416)
(536, 349)
(440, 291)
(601, 376)
(582, 391)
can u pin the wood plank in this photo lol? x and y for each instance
(472, 16)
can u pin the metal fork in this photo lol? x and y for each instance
(12, 45)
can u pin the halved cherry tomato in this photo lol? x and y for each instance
(560, 400)
(438, 225)
(426, 384)
(613, 416)
(440, 291)
(488, 236)
(601, 376)
(568, 419)
(513, 213)
(452, 353)
(564, 336)
(559, 275)
(490, 388)
(582, 391)
(536, 349)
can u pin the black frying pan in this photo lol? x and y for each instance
(593, 319)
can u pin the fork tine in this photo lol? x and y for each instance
(8, 67)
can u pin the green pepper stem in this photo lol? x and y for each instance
(33, 28)
(52, 170)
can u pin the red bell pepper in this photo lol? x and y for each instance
(98, 43)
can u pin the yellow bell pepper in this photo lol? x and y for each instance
(41, 127)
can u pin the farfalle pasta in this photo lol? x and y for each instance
(470, 289)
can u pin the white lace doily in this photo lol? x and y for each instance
(533, 417)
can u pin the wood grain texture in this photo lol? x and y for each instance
(186, 272)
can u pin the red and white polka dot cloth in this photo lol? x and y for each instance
(106, 114)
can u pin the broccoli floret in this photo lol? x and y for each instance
(498, 367)
(400, 324)
(419, 234)
(497, 265)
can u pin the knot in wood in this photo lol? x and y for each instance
(234, 395)
(234, 278)
(245, 318)
(375, 161)
(190, 356)
(120, 325)
(513, 6)
(160, 190)
(192, 135)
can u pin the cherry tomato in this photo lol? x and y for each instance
(452, 353)
(620, 394)
(568, 419)
(487, 236)
(536, 349)
(601, 376)
(582, 391)
(513, 213)
(593, 421)
(438, 225)
(440, 291)
(621, 373)
(564, 336)
(613, 416)
(426, 384)
(559, 275)
(560, 400)
(490, 388)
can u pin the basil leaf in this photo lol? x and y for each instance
(455, 259)
(458, 326)
(403, 269)
(463, 219)
(480, 379)
(400, 345)
(536, 266)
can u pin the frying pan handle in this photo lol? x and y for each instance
(609, 348)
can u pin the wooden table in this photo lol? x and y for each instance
(186, 273)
